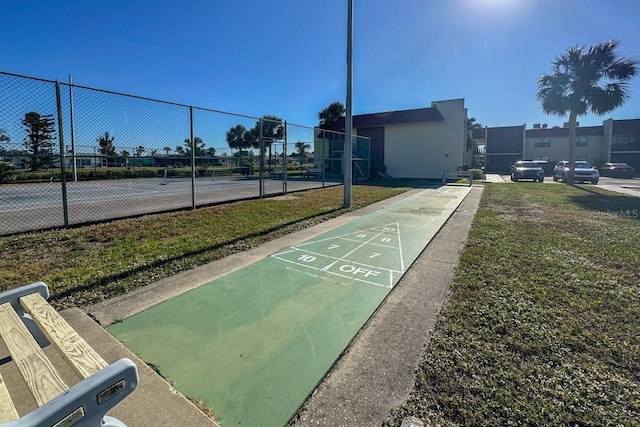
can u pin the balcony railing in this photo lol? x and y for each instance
(626, 147)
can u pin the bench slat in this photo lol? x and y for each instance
(7, 410)
(42, 378)
(84, 360)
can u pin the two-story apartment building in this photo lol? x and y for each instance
(423, 142)
(614, 141)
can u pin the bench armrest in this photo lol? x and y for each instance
(86, 403)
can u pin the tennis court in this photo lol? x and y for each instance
(253, 344)
(34, 206)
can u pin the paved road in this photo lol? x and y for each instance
(35, 206)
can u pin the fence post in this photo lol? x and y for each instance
(63, 177)
(74, 164)
(284, 169)
(261, 148)
(193, 161)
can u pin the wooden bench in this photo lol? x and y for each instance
(457, 175)
(27, 325)
(312, 173)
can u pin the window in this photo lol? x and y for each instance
(582, 141)
(543, 142)
(581, 158)
(542, 158)
(623, 140)
(504, 145)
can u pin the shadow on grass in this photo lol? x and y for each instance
(611, 203)
(229, 244)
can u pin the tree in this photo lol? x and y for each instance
(211, 151)
(583, 81)
(166, 150)
(140, 150)
(236, 136)
(39, 139)
(473, 124)
(126, 155)
(7, 173)
(272, 128)
(198, 143)
(4, 136)
(180, 150)
(106, 144)
(301, 148)
(250, 138)
(330, 114)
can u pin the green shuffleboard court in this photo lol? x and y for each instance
(253, 344)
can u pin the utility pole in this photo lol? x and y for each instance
(348, 120)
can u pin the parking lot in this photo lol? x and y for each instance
(629, 186)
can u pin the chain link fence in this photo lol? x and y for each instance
(73, 155)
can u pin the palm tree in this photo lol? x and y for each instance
(106, 144)
(301, 148)
(330, 114)
(166, 150)
(272, 130)
(235, 136)
(582, 81)
(472, 124)
(198, 143)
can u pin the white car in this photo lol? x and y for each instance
(584, 172)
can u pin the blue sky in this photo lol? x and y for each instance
(288, 57)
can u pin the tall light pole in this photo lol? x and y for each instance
(348, 120)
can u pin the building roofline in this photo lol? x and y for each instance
(418, 115)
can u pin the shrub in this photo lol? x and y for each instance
(478, 174)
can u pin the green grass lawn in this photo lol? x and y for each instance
(88, 264)
(543, 322)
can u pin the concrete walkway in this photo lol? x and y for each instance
(493, 178)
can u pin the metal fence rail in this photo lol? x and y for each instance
(72, 155)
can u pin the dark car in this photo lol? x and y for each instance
(584, 172)
(524, 169)
(617, 170)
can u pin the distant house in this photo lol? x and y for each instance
(418, 143)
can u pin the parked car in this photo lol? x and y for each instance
(617, 170)
(584, 172)
(524, 169)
